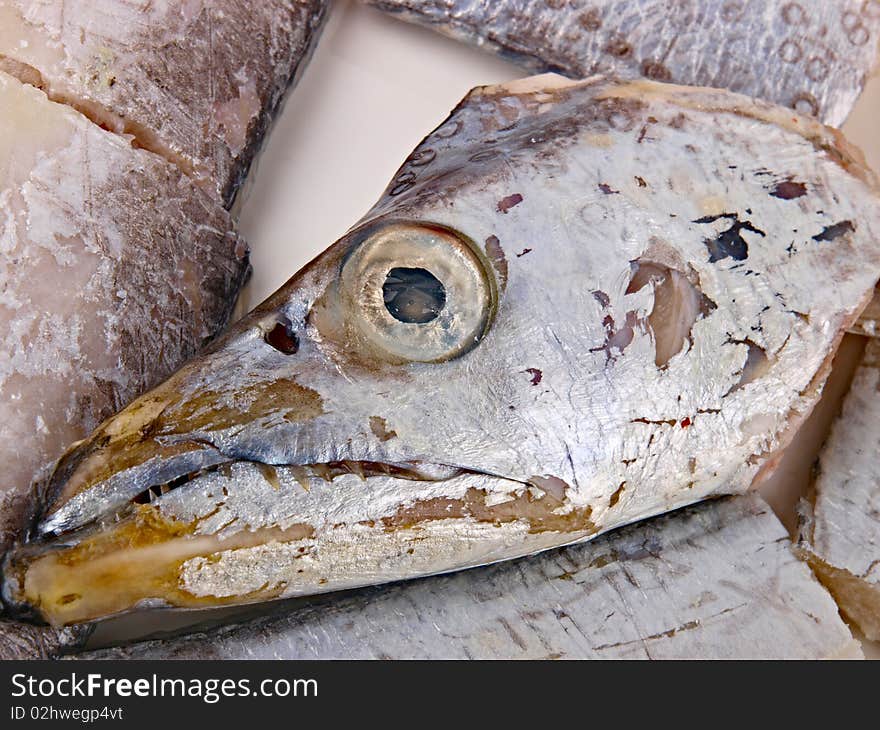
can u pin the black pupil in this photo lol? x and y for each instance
(414, 296)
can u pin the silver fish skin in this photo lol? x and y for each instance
(197, 82)
(840, 529)
(576, 306)
(810, 56)
(715, 581)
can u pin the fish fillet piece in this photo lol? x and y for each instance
(196, 81)
(577, 305)
(714, 581)
(840, 531)
(809, 56)
(115, 269)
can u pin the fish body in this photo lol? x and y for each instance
(714, 581)
(810, 56)
(196, 82)
(840, 530)
(576, 306)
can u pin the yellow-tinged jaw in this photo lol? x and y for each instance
(139, 559)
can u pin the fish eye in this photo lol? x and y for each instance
(417, 292)
(414, 296)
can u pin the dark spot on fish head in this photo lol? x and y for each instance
(590, 19)
(789, 190)
(618, 47)
(601, 297)
(655, 70)
(640, 181)
(829, 233)
(283, 338)
(729, 243)
(505, 204)
(685, 422)
(379, 427)
(498, 259)
(536, 374)
(615, 498)
(524, 252)
(607, 189)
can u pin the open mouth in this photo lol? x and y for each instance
(307, 474)
(61, 526)
(154, 548)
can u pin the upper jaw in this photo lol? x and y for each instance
(149, 482)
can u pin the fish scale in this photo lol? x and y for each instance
(812, 57)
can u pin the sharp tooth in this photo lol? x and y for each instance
(355, 468)
(321, 471)
(301, 474)
(164, 489)
(153, 494)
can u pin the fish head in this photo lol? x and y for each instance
(541, 331)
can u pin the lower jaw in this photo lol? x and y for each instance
(154, 557)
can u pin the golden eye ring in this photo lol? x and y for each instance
(418, 292)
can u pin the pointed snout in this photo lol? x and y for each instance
(100, 544)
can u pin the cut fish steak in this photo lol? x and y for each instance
(197, 82)
(115, 269)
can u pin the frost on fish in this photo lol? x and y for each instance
(24, 641)
(868, 323)
(577, 305)
(810, 56)
(714, 581)
(197, 82)
(115, 269)
(840, 532)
